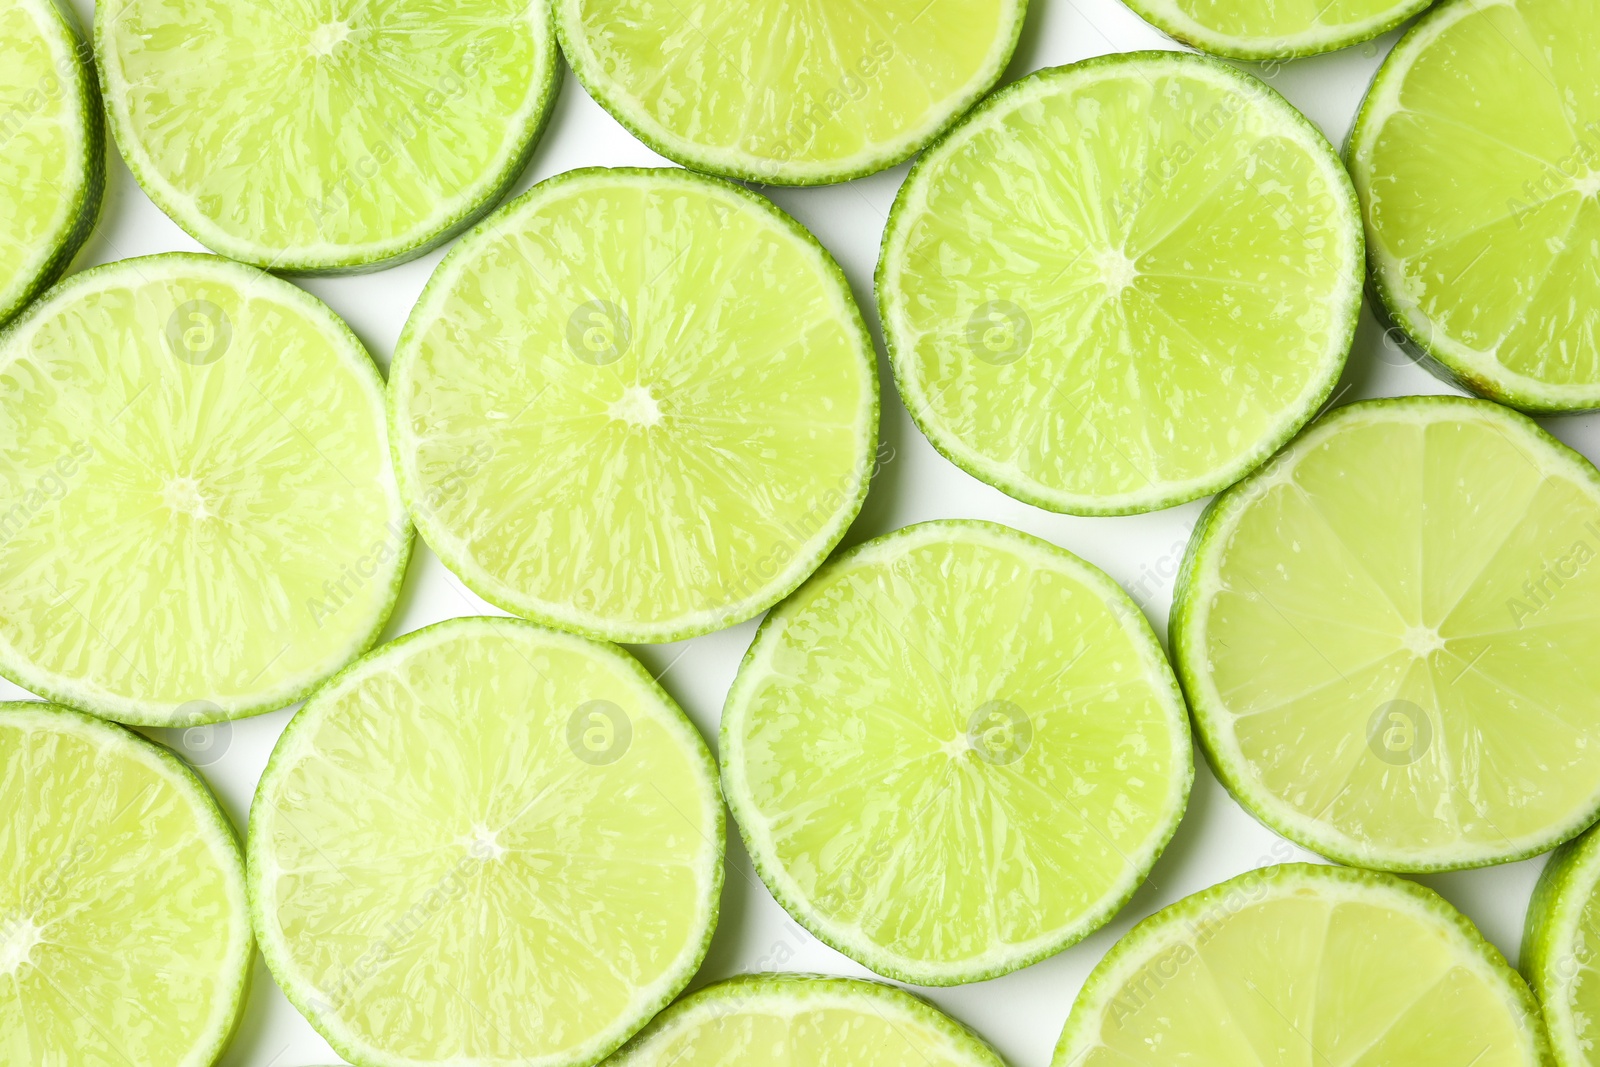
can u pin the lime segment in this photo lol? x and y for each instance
(1561, 949)
(1282, 29)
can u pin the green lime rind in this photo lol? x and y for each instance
(1030, 491)
(1163, 15)
(233, 991)
(86, 191)
(1551, 957)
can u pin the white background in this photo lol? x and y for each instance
(1021, 1014)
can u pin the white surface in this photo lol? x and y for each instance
(1022, 1013)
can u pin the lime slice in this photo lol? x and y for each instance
(486, 843)
(638, 404)
(52, 148)
(124, 928)
(201, 520)
(1122, 284)
(322, 137)
(1302, 964)
(955, 751)
(784, 93)
(1561, 949)
(799, 1020)
(1249, 29)
(1387, 637)
(1477, 155)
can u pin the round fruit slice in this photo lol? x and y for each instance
(52, 148)
(321, 137)
(955, 751)
(1120, 285)
(486, 843)
(1305, 964)
(638, 404)
(1387, 636)
(1249, 29)
(200, 519)
(1477, 156)
(124, 928)
(783, 93)
(1559, 949)
(799, 1020)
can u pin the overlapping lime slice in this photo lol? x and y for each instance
(200, 518)
(124, 928)
(1303, 964)
(1122, 284)
(955, 751)
(1282, 29)
(639, 404)
(1477, 154)
(1559, 949)
(1388, 637)
(486, 843)
(326, 135)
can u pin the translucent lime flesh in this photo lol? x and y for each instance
(639, 404)
(1388, 637)
(1303, 965)
(955, 751)
(1120, 285)
(323, 135)
(200, 517)
(486, 843)
(784, 92)
(1249, 29)
(1477, 155)
(124, 935)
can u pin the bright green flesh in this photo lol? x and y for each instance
(789, 92)
(1120, 285)
(1304, 966)
(1477, 155)
(323, 135)
(124, 929)
(639, 404)
(792, 1020)
(1439, 552)
(184, 540)
(452, 861)
(51, 142)
(955, 751)
(1561, 950)
(1277, 29)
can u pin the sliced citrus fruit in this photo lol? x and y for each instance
(1387, 636)
(639, 404)
(783, 93)
(52, 148)
(1477, 156)
(124, 928)
(1120, 285)
(1303, 964)
(955, 751)
(1249, 29)
(322, 137)
(202, 521)
(486, 843)
(1561, 949)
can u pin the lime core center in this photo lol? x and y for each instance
(328, 36)
(183, 496)
(17, 939)
(637, 407)
(485, 844)
(1422, 641)
(1117, 271)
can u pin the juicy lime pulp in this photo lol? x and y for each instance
(124, 929)
(788, 94)
(1120, 285)
(798, 1020)
(1559, 949)
(1249, 29)
(52, 144)
(486, 842)
(639, 404)
(406, 120)
(1304, 964)
(1477, 155)
(1387, 637)
(200, 520)
(955, 751)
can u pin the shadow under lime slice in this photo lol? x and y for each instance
(784, 93)
(638, 404)
(200, 520)
(955, 751)
(1559, 949)
(1303, 964)
(320, 137)
(1284, 29)
(1120, 285)
(1477, 155)
(124, 929)
(1388, 635)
